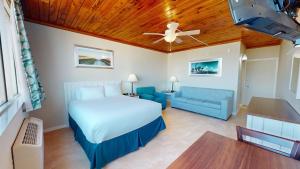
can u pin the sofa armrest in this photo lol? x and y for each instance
(161, 98)
(177, 94)
(160, 95)
(226, 107)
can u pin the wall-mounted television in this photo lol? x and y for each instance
(278, 18)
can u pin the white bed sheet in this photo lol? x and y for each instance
(110, 117)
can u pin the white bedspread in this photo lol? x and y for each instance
(110, 117)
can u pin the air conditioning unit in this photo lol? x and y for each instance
(28, 149)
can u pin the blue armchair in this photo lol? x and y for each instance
(149, 93)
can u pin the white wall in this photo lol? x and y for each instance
(284, 75)
(52, 50)
(263, 52)
(178, 66)
(269, 52)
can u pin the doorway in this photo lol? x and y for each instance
(259, 78)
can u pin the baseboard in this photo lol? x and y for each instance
(55, 128)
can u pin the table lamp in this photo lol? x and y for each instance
(132, 78)
(173, 79)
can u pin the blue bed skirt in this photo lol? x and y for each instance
(107, 151)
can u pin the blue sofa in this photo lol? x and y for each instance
(212, 102)
(149, 93)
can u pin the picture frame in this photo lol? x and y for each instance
(7, 6)
(93, 57)
(207, 67)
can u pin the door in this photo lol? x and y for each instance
(260, 79)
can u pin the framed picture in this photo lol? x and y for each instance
(211, 67)
(93, 57)
(7, 5)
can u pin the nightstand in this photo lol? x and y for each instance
(168, 95)
(135, 95)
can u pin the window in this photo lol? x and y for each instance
(10, 103)
(10, 72)
(8, 77)
(3, 94)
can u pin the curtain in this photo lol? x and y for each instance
(33, 90)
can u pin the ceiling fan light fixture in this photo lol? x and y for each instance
(173, 34)
(170, 38)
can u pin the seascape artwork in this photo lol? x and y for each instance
(92, 57)
(206, 67)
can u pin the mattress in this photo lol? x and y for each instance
(110, 117)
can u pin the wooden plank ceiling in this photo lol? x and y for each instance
(126, 20)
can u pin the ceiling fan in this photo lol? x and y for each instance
(173, 33)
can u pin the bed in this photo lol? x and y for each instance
(111, 127)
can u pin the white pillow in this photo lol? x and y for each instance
(112, 90)
(91, 93)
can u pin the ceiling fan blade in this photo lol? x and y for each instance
(155, 42)
(198, 40)
(158, 34)
(188, 33)
(178, 40)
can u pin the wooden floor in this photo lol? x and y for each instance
(183, 128)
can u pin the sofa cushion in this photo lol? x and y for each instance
(147, 96)
(205, 93)
(205, 103)
(212, 104)
(159, 100)
(181, 99)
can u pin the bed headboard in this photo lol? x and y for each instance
(70, 89)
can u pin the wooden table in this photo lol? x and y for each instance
(212, 151)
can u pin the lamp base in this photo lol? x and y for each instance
(131, 94)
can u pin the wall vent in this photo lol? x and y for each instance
(30, 136)
(28, 149)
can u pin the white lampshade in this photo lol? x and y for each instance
(173, 79)
(132, 78)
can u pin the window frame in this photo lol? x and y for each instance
(294, 74)
(15, 70)
(9, 55)
(9, 102)
(3, 74)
